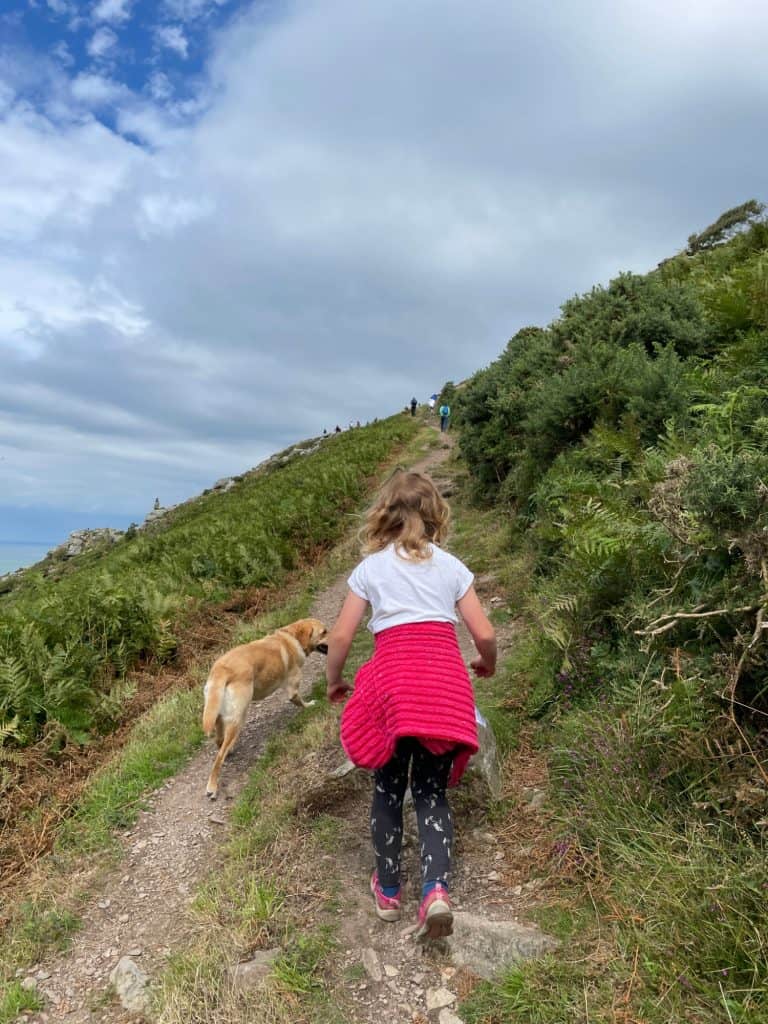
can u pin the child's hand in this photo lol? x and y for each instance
(481, 668)
(337, 691)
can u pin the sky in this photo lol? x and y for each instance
(227, 225)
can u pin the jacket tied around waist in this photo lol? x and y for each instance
(415, 684)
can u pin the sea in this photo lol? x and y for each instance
(18, 556)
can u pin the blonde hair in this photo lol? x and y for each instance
(408, 512)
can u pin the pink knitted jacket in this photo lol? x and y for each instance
(416, 684)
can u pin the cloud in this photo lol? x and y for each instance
(96, 90)
(171, 37)
(113, 11)
(101, 43)
(62, 53)
(159, 86)
(55, 183)
(353, 204)
(62, 7)
(191, 10)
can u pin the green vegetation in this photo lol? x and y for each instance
(626, 447)
(159, 746)
(66, 645)
(16, 1000)
(49, 914)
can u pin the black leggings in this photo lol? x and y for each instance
(429, 777)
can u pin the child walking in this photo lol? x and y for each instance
(412, 709)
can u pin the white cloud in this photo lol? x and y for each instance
(171, 37)
(56, 181)
(190, 10)
(160, 87)
(37, 298)
(363, 201)
(165, 213)
(101, 42)
(62, 53)
(7, 97)
(96, 90)
(114, 11)
(62, 7)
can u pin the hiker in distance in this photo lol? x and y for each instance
(414, 403)
(413, 707)
(445, 416)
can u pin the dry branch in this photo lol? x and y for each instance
(665, 622)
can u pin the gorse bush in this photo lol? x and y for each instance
(66, 645)
(627, 442)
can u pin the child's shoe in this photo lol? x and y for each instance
(387, 907)
(435, 915)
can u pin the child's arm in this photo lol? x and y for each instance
(339, 642)
(482, 632)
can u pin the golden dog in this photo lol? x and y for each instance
(251, 672)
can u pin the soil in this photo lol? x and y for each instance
(139, 907)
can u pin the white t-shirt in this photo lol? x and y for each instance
(402, 590)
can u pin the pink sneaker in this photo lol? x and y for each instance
(435, 915)
(387, 907)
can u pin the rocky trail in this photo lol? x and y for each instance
(140, 913)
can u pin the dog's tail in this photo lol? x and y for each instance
(214, 693)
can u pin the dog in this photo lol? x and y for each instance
(251, 672)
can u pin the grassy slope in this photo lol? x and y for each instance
(630, 481)
(67, 644)
(41, 915)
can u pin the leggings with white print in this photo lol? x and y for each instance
(429, 778)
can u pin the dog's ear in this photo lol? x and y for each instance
(302, 630)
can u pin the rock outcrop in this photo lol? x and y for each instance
(84, 540)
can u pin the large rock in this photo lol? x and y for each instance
(130, 984)
(225, 484)
(156, 514)
(486, 947)
(82, 540)
(248, 976)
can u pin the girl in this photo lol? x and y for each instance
(413, 704)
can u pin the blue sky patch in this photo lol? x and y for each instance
(105, 47)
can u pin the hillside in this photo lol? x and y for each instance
(67, 640)
(624, 447)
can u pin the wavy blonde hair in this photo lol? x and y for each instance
(408, 512)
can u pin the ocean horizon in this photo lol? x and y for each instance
(20, 554)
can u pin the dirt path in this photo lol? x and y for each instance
(173, 846)
(495, 883)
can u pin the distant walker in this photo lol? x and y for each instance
(445, 416)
